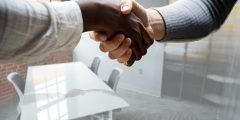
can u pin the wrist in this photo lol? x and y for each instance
(157, 23)
(89, 12)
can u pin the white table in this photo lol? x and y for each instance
(66, 91)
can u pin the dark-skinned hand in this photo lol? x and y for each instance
(105, 16)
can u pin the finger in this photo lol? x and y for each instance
(126, 6)
(98, 36)
(141, 13)
(112, 44)
(121, 49)
(125, 57)
(131, 61)
(147, 34)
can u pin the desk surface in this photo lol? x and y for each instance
(66, 91)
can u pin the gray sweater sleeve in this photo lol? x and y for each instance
(187, 19)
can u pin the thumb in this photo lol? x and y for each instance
(128, 6)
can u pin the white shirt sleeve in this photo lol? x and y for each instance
(30, 29)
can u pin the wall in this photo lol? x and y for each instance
(142, 77)
(230, 97)
(7, 90)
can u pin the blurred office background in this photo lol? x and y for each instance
(200, 79)
(176, 81)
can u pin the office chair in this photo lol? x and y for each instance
(112, 83)
(114, 78)
(95, 64)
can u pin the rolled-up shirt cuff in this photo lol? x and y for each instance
(187, 20)
(69, 21)
(170, 20)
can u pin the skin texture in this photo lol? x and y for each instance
(104, 16)
(151, 19)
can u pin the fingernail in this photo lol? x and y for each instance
(125, 8)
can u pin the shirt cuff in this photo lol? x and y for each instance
(186, 20)
(69, 22)
(169, 19)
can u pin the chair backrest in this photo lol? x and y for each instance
(17, 82)
(19, 85)
(95, 64)
(114, 78)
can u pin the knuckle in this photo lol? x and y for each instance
(111, 56)
(119, 38)
(120, 60)
(116, 53)
(128, 56)
(116, 42)
(102, 48)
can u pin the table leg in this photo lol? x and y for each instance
(108, 115)
(102, 116)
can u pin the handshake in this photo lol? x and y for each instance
(121, 27)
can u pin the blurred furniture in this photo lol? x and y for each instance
(67, 91)
(113, 82)
(114, 78)
(19, 85)
(95, 64)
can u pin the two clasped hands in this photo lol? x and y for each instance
(124, 28)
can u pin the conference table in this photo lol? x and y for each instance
(67, 91)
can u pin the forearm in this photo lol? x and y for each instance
(30, 28)
(187, 19)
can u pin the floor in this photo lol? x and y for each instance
(145, 107)
(8, 108)
(142, 107)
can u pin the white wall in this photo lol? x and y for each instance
(144, 76)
